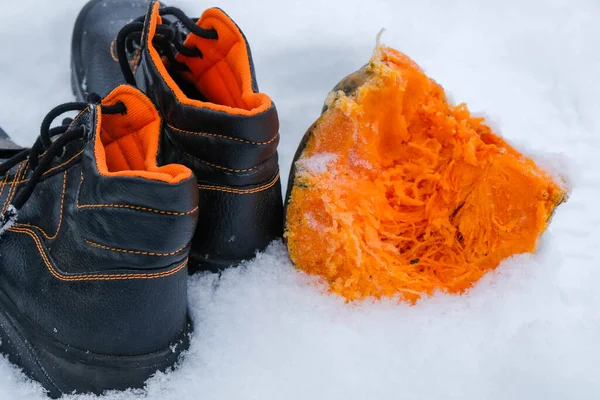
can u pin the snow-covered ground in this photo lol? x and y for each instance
(531, 330)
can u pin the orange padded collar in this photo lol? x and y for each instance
(127, 145)
(223, 74)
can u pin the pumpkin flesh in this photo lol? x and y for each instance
(399, 193)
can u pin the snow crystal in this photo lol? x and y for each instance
(354, 160)
(317, 164)
(312, 221)
(12, 213)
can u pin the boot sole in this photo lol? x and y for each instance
(76, 78)
(75, 88)
(64, 369)
(75, 44)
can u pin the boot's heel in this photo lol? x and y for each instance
(254, 218)
(61, 368)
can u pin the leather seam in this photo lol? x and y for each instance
(79, 116)
(93, 277)
(13, 186)
(241, 191)
(134, 63)
(112, 50)
(139, 252)
(62, 207)
(220, 166)
(53, 168)
(3, 186)
(223, 136)
(138, 208)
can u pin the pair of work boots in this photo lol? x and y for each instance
(170, 166)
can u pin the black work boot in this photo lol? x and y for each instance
(94, 249)
(201, 76)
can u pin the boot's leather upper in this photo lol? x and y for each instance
(218, 124)
(97, 256)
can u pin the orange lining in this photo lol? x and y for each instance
(223, 74)
(127, 145)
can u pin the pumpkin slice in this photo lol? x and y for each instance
(394, 191)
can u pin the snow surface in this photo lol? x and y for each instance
(531, 330)
(317, 164)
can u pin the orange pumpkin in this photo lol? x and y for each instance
(394, 191)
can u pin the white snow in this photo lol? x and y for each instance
(529, 331)
(317, 164)
(13, 213)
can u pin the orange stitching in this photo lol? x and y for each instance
(134, 63)
(63, 164)
(221, 167)
(62, 202)
(6, 182)
(13, 182)
(112, 50)
(137, 208)
(136, 57)
(223, 136)
(241, 191)
(94, 277)
(13, 186)
(21, 175)
(55, 168)
(62, 207)
(130, 206)
(4, 185)
(146, 253)
(78, 116)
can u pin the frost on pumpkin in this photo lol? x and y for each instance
(400, 193)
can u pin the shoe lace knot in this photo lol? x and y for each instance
(50, 143)
(168, 40)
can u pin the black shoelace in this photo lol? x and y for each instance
(168, 39)
(45, 149)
